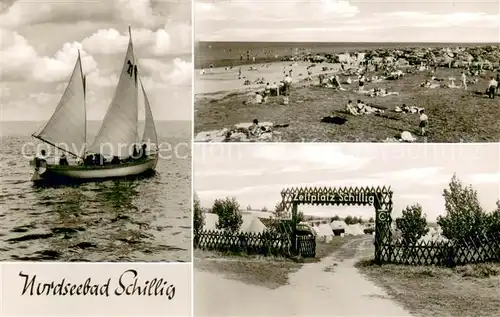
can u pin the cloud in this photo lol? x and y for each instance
(27, 12)
(342, 20)
(485, 178)
(309, 155)
(411, 174)
(177, 73)
(20, 61)
(432, 20)
(171, 39)
(276, 11)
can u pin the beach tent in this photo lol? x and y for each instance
(339, 227)
(316, 230)
(325, 232)
(252, 224)
(356, 229)
(211, 221)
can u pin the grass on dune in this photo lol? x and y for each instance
(431, 291)
(455, 115)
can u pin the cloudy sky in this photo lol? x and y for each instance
(256, 173)
(348, 20)
(39, 45)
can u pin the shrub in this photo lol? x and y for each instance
(413, 224)
(230, 217)
(279, 211)
(198, 215)
(493, 221)
(465, 219)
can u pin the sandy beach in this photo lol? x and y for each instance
(220, 79)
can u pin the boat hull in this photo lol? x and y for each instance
(49, 172)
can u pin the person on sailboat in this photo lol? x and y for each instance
(144, 154)
(63, 160)
(135, 153)
(98, 159)
(89, 160)
(39, 159)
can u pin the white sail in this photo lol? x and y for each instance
(66, 129)
(149, 135)
(118, 132)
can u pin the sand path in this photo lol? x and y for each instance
(329, 288)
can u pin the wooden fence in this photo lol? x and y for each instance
(306, 246)
(444, 253)
(266, 243)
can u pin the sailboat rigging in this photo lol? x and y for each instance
(113, 152)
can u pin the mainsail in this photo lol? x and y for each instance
(119, 129)
(149, 135)
(66, 129)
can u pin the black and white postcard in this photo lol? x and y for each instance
(347, 71)
(96, 131)
(346, 230)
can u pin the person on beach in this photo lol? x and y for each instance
(492, 88)
(362, 82)
(351, 109)
(274, 89)
(258, 98)
(464, 81)
(288, 83)
(424, 120)
(267, 92)
(498, 80)
(254, 129)
(239, 73)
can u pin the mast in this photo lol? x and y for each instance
(84, 82)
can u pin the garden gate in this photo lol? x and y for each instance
(379, 198)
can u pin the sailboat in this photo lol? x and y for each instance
(113, 153)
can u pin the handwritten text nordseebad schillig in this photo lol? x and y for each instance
(128, 284)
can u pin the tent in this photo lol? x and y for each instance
(316, 230)
(339, 227)
(325, 232)
(252, 224)
(356, 229)
(211, 221)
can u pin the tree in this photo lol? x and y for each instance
(465, 219)
(348, 220)
(493, 221)
(279, 210)
(264, 209)
(198, 215)
(336, 217)
(413, 224)
(228, 210)
(249, 207)
(371, 220)
(300, 216)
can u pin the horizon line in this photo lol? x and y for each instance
(350, 42)
(93, 120)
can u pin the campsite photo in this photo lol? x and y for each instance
(96, 131)
(308, 229)
(346, 71)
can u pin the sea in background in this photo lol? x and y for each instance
(142, 219)
(223, 54)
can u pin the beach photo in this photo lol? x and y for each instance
(346, 71)
(96, 131)
(346, 229)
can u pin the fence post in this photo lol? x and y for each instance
(295, 249)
